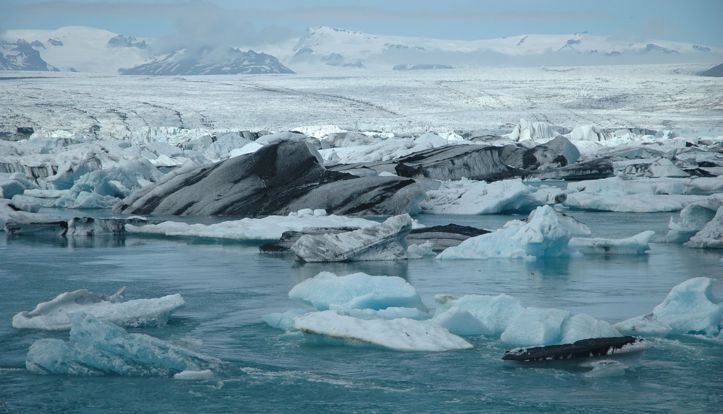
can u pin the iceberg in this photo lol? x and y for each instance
(546, 233)
(57, 313)
(97, 347)
(267, 228)
(398, 334)
(638, 244)
(491, 314)
(358, 290)
(503, 317)
(385, 241)
(692, 219)
(689, 308)
(478, 197)
(535, 326)
(710, 236)
(640, 195)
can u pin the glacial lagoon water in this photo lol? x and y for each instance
(228, 288)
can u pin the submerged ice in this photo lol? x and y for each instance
(96, 347)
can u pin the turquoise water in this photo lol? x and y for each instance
(229, 287)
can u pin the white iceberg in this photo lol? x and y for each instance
(397, 334)
(57, 313)
(96, 347)
(546, 233)
(689, 308)
(478, 197)
(384, 241)
(629, 203)
(283, 320)
(267, 228)
(635, 245)
(357, 290)
(711, 235)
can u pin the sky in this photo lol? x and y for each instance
(694, 21)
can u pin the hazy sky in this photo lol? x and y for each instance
(697, 21)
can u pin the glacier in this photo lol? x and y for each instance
(546, 233)
(357, 290)
(398, 334)
(252, 229)
(96, 347)
(57, 314)
(689, 308)
(384, 241)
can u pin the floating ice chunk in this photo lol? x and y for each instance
(13, 184)
(581, 326)
(56, 314)
(398, 334)
(534, 131)
(385, 241)
(546, 233)
(692, 219)
(664, 167)
(493, 313)
(418, 251)
(96, 347)
(629, 203)
(535, 326)
(267, 228)
(478, 197)
(688, 309)
(638, 244)
(191, 375)
(357, 290)
(641, 195)
(710, 236)
(283, 320)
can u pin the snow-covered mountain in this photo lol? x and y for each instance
(21, 55)
(82, 49)
(209, 62)
(86, 49)
(715, 71)
(321, 44)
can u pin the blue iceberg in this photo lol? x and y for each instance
(96, 347)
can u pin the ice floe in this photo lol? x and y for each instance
(97, 347)
(398, 334)
(357, 290)
(637, 244)
(57, 313)
(546, 233)
(384, 241)
(689, 308)
(267, 228)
